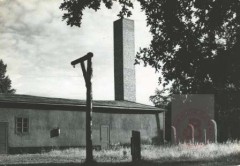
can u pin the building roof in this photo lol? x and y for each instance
(111, 106)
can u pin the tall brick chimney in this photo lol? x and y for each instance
(124, 58)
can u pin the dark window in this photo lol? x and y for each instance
(22, 125)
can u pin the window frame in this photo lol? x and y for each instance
(22, 118)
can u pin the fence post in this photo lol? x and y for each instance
(204, 136)
(191, 127)
(173, 135)
(214, 125)
(135, 146)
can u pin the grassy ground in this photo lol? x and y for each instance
(199, 154)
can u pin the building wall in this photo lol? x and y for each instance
(72, 127)
(121, 126)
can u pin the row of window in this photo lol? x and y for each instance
(21, 125)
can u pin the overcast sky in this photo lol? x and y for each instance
(38, 48)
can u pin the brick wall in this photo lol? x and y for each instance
(124, 58)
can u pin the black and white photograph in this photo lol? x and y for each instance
(119, 82)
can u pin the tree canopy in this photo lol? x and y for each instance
(5, 82)
(195, 43)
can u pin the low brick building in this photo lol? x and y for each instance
(26, 123)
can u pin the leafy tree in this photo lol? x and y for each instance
(74, 9)
(5, 82)
(195, 43)
(161, 99)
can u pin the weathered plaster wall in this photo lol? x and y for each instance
(41, 122)
(72, 127)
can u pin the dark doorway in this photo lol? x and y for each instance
(3, 137)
